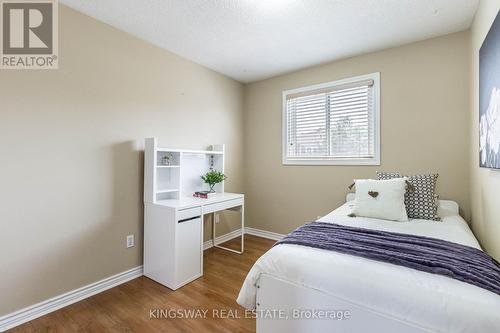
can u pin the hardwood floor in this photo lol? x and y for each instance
(127, 308)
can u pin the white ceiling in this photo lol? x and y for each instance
(249, 40)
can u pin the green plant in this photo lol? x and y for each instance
(167, 159)
(212, 178)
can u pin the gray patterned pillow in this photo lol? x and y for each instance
(422, 202)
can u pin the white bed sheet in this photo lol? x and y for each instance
(433, 302)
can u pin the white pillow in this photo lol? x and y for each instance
(381, 199)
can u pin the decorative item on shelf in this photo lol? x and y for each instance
(213, 178)
(167, 159)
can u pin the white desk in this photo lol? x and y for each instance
(219, 202)
(173, 236)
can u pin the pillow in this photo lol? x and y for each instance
(421, 203)
(381, 199)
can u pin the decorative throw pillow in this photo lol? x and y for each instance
(381, 199)
(421, 203)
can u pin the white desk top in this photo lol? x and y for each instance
(188, 202)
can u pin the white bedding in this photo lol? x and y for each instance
(433, 302)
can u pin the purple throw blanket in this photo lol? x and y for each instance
(431, 255)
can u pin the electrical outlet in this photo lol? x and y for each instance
(217, 218)
(130, 241)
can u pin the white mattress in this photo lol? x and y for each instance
(433, 302)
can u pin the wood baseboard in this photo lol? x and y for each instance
(263, 233)
(37, 310)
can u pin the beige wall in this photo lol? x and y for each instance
(424, 114)
(71, 160)
(485, 183)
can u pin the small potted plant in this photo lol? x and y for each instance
(167, 159)
(213, 178)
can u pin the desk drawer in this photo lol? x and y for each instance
(222, 205)
(188, 213)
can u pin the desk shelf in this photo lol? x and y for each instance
(168, 190)
(182, 176)
(168, 166)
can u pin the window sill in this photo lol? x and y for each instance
(339, 162)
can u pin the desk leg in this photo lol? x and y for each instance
(242, 228)
(213, 229)
(242, 209)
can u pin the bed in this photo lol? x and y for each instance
(302, 289)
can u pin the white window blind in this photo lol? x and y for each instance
(332, 122)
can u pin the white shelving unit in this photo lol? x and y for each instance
(173, 218)
(182, 177)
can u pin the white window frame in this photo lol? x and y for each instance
(336, 161)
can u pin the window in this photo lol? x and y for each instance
(335, 123)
